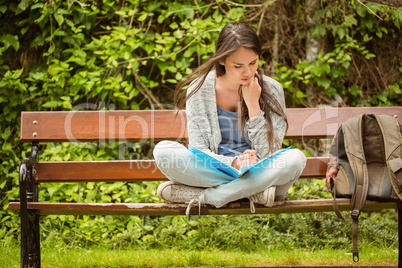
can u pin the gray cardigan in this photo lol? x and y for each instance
(203, 126)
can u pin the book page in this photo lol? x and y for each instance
(261, 164)
(212, 162)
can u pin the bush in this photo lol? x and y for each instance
(110, 54)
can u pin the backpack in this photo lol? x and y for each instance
(366, 157)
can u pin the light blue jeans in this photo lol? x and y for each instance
(180, 165)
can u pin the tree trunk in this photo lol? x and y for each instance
(313, 44)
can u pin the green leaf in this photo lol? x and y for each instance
(188, 12)
(350, 21)
(3, 9)
(395, 88)
(17, 73)
(361, 10)
(341, 32)
(287, 84)
(369, 56)
(318, 30)
(51, 191)
(174, 25)
(235, 14)
(172, 69)
(355, 91)
(300, 94)
(143, 17)
(367, 38)
(108, 219)
(179, 76)
(326, 68)
(173, 81)
(383, 96)
(10, 40)
(369, 21)
(217, 16)
(24, 4)
(38, 5)
(2, 184)
(5, 219)
(397, 17)
(323, 82)
(8, 74)
(330, 91)
(6, 133)
(50, 104)
(59, 18)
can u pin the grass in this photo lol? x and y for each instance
(102, 257)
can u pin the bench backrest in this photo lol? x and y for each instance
(155, 125)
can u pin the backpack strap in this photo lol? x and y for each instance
(392, 134)
(352, 131)
(355, 221)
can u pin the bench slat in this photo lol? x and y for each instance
(125, 170)
(158, 125)
(324, 122)
(102, 126)
(161, 209)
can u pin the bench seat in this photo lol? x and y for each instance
(129, 170)
(163, 209)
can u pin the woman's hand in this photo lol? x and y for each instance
(248, 158)
(251, 94)
(332, 172)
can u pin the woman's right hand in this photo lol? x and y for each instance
(251, 94)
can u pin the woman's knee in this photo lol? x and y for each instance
(163, 153)
(297, 161)
(170, 155)
(302, 156)
(164, 149)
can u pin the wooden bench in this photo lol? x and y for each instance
(90, 126)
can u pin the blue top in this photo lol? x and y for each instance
(231, 134)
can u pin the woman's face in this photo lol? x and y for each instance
(241, 65)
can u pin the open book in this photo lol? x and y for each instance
(212, 162)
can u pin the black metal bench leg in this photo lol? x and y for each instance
(30, 237)
(34, 241)
(24, 214)
(33, 223)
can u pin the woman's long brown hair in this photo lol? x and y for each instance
(232, 37)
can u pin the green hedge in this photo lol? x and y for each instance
(129, 54)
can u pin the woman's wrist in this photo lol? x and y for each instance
(253, 111)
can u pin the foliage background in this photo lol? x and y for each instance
(129, 54)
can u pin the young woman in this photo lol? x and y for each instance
(237, 115)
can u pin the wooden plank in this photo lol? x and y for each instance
(161, 209)
(315, 167)
(125, 170)
(324, 122)
(102, 126)
(155, 125)
(96, 171)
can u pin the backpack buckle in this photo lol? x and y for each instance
(355, 214)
